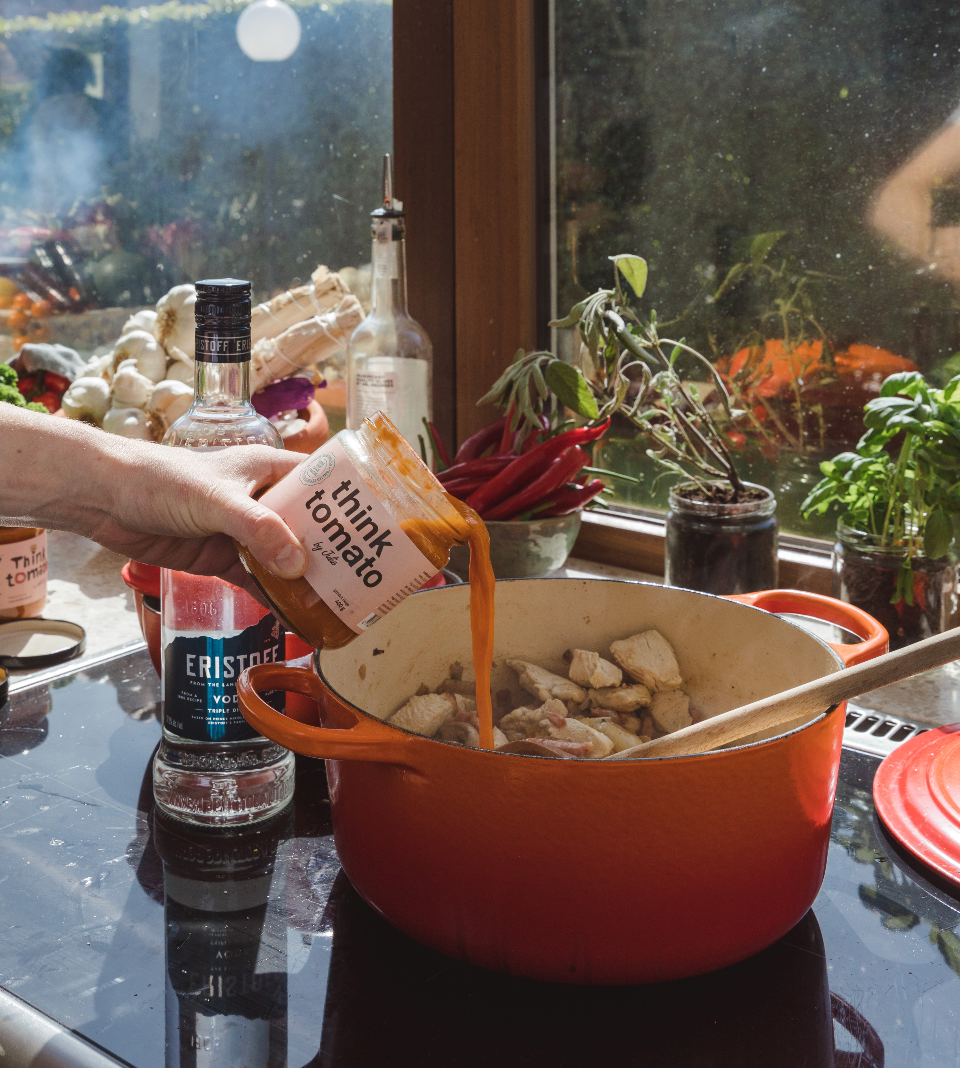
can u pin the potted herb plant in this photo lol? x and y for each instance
(721, 531)
(527, 476)
(898, 495)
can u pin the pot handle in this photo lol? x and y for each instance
(875, 642)
(350, 736)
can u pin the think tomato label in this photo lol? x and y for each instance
(23, 571)
(359, 560)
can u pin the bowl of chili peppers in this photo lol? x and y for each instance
(529, 486)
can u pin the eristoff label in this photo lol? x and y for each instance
(359, 560)
(222, 348)
(200, 681)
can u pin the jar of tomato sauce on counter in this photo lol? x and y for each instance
(23, 572)
(375, 524)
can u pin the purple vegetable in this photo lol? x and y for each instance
(287, 395)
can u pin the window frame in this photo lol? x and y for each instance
(474, 158)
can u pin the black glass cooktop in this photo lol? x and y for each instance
(166, 948)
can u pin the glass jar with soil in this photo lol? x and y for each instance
(865, 574)
(718, 544)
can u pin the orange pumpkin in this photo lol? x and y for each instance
(860, 370)
(855, 378)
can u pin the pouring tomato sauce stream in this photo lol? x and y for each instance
(431, 519)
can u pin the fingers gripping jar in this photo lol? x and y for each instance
(375, 525)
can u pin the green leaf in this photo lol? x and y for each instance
(573, 316)
(736, 272)
(761, 245)
(937, 534)
(634, 269)
(904, 589)
(907, 382)
(571, 389)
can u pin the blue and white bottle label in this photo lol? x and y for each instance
(200, 681)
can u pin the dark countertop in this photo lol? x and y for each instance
(113, 927)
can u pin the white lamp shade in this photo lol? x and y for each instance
(268, 30)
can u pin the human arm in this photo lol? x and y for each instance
(902, 209)
(175, 507)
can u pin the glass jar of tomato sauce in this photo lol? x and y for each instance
(23, 572)
(375, 524)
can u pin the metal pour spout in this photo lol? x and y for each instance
(390, 204)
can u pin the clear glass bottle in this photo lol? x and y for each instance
(389, 357)
(226, 941)
(212, 768)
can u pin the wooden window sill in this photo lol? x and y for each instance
(638, 543)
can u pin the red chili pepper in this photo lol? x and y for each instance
(477, 444)
(506, 438)
(531, 464)
(463, 487)
(487, 465)
(571, 500)
(558, 474)
(438, 445)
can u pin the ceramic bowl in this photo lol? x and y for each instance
(524, 549)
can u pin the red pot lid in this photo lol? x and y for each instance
(917, 794)
(142, 577)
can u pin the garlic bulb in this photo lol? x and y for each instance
(181, 367)
(99, 367)
(175, 322)
(145, 349)
(141, 320)
(303, 344)
(130, 388)
(324, 292)
(170, 400)
(128, 423)
(87, 398)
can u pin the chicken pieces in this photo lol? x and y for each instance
(620, 698)
(591, 670)
(551, 721)
(424, 715)
(544, 685)
(671, 710)
(649, 658)
(594, 713)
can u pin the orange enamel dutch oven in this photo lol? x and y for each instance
(582, 871)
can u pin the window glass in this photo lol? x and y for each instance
(142, 145)
(682, 135)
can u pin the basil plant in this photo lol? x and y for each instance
(902, 484)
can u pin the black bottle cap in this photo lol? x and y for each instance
(222, 315)
(223, 289)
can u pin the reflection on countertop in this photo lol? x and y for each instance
(167, 946)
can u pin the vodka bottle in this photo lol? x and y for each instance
(389, 358)
(212, 768)
(226, 943)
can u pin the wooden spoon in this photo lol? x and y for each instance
(811, 697)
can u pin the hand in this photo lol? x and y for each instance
(173, 507)
(185, 510)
